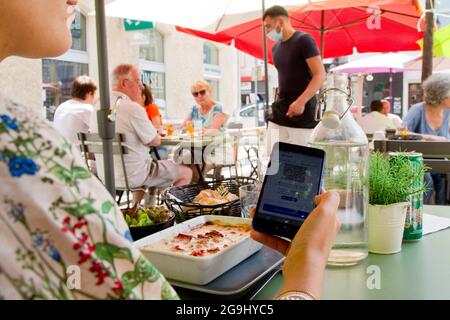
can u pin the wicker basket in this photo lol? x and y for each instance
(179, 199)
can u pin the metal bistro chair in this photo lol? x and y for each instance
(235, 136)
(92, 143)
(436, 155)
(253, 160)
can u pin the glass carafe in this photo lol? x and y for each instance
(346, 169)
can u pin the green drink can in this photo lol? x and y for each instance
(414, 213)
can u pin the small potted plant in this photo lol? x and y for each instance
(391, 180)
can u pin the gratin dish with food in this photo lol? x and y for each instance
(199, 250)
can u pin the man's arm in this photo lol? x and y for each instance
(315, 64)
(144, 128)
(318, 77)
(155, 142)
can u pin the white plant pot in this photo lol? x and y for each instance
(386, 224)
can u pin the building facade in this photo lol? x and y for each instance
(170, 61)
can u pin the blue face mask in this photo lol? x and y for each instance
(275, 36)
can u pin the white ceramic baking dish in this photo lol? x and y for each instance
(198, 270)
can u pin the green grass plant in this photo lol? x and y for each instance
(393, 179)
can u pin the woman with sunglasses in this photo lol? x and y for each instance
(207, 113)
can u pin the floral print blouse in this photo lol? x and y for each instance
(61, 234)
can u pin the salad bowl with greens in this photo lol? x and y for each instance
(146, 221)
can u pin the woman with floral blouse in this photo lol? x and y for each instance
(61, 234)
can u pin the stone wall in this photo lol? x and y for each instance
(21, 80)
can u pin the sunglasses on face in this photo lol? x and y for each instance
(201, 92)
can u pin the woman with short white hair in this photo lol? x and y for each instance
(430, 118)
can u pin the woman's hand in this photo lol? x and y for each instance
(317, 232)
(307, 254)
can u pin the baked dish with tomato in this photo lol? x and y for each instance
(205, 239)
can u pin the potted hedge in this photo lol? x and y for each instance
(391, 181)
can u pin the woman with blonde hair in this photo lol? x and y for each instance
(206, 114)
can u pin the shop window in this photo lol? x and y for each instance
(214, 89)
(151, 45)
(210, 54)
(151, 53)
(59, 73)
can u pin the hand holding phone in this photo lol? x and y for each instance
(318, 232)
(293, 179)
(306, 255)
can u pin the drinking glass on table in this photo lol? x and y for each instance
(403, 131)
(198, 127)
(379, 135)
(263, 164)
(190, 128)
(249, 195)
(169, 129)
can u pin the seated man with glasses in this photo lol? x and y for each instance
(140, 135)
(206, 115)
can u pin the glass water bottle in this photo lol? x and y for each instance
(346, 169)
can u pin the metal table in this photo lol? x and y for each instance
(420, 271)
(196, 147)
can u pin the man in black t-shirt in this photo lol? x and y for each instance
(300, 75)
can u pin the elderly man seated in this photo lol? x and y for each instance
(376, 120)
(140, 134)
(396, 120)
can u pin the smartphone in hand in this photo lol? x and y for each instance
(293, 178)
